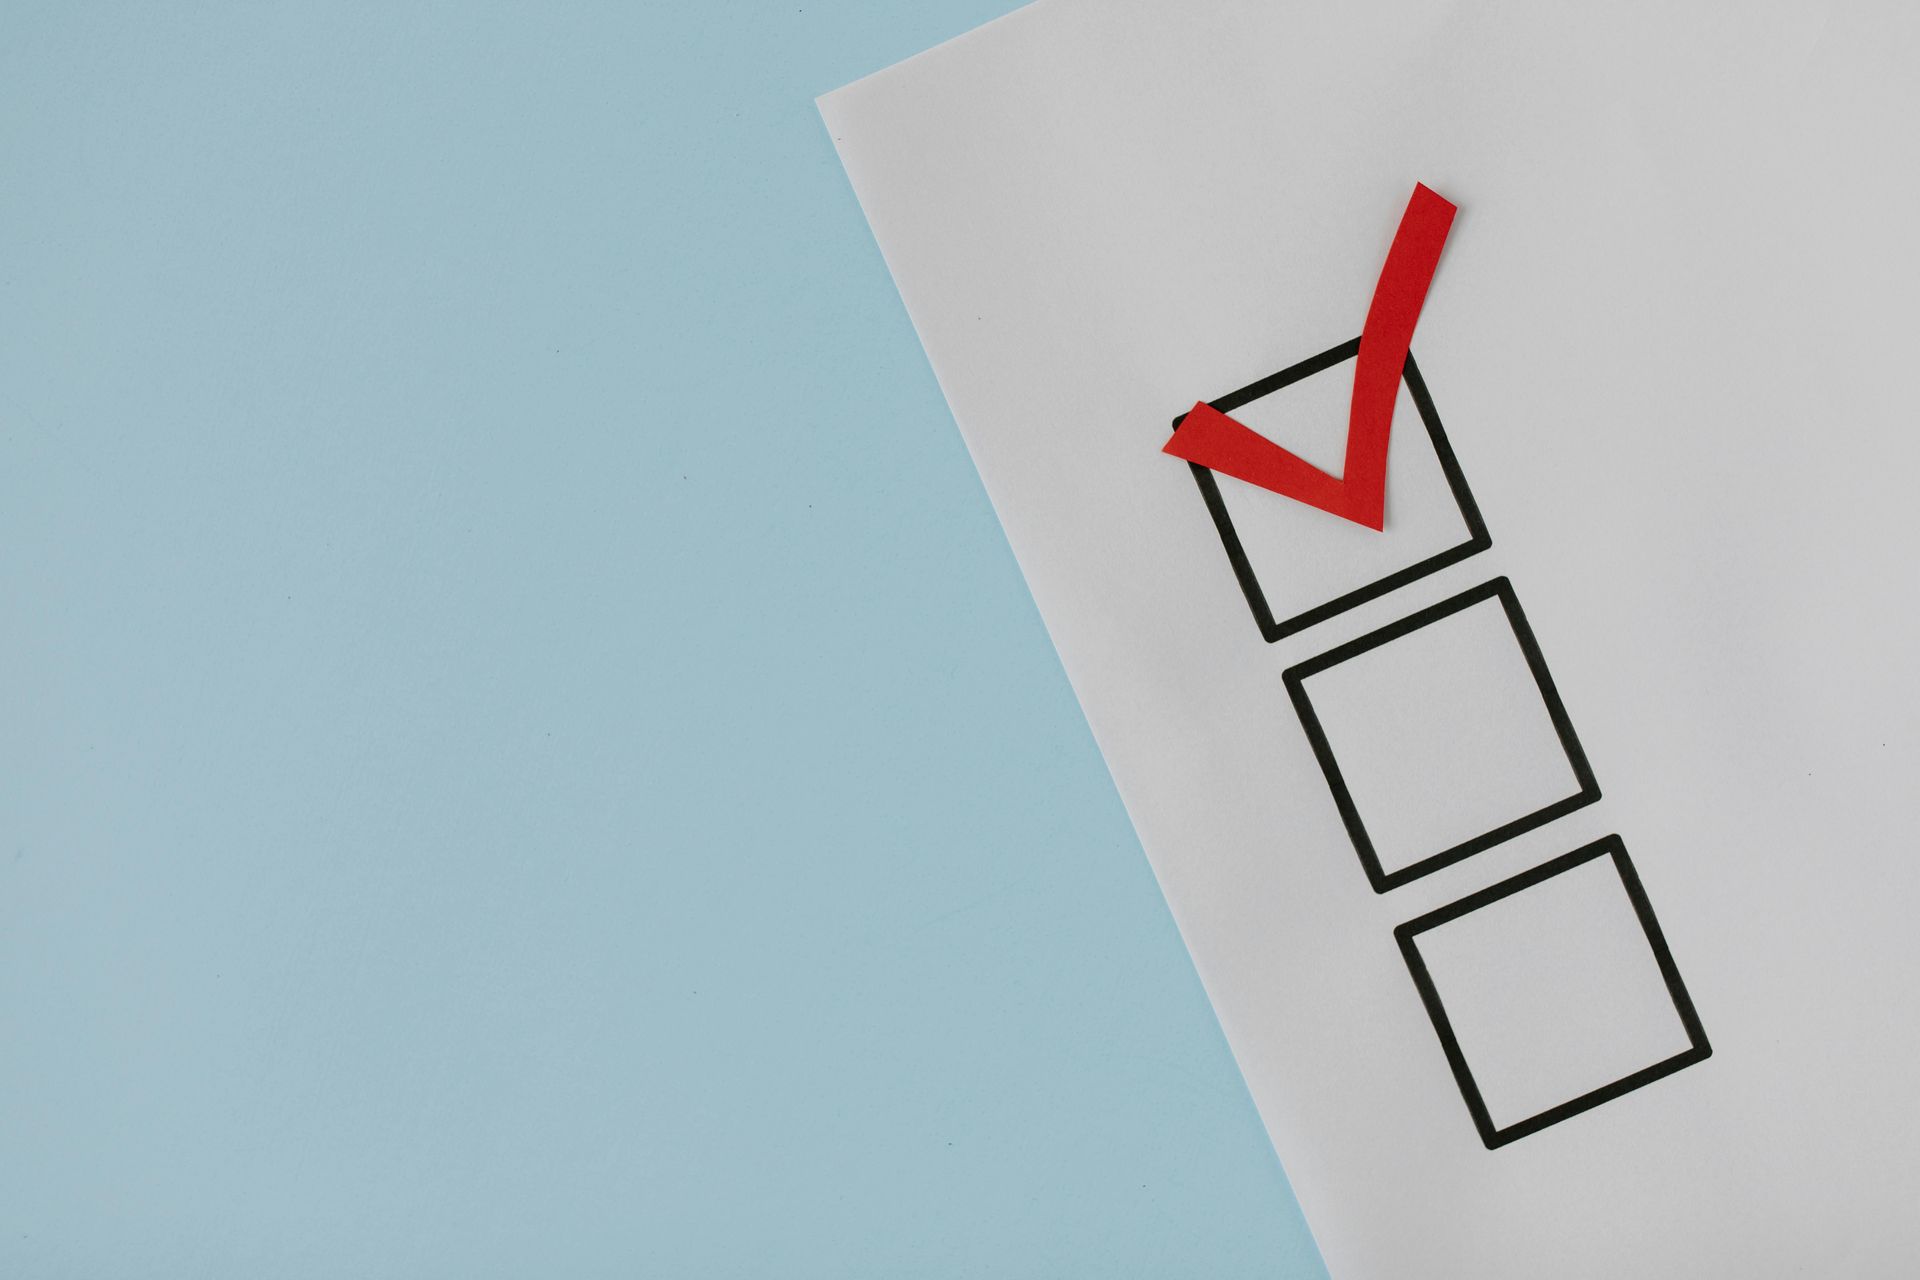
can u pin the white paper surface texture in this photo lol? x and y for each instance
(1671, 342)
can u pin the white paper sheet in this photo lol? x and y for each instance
(1670, 342)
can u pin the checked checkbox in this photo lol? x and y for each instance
(1298, 566)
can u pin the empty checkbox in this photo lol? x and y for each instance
(1553, 992)
(1441, 735)
(1298, 566)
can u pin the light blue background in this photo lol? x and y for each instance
(525, 750)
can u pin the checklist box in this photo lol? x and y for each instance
(1298, 566)
(1553, 992)
(1441, 735)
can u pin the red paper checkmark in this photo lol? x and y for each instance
(1211, 439)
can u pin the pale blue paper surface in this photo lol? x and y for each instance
(524, 749)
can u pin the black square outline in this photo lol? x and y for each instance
(1698, 1049)
(1296, 676)
(1477, 541)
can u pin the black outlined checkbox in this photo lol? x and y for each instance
(1553, 992)
(1441, 735)
(1297, 566)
